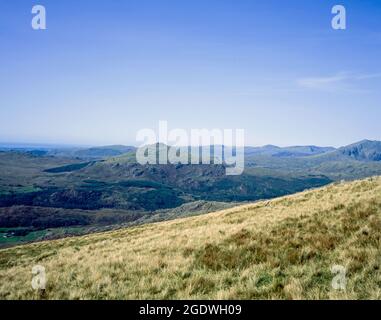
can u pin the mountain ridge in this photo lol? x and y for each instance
(116, 189)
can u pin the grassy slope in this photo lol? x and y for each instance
(283, 248)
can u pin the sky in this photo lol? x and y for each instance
(102, 70)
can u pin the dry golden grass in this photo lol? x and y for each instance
(279, 249)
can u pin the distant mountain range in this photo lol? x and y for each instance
(295, 151)
(72, 152)
(95, 187)
(366, 150)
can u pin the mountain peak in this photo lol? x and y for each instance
(368, 150)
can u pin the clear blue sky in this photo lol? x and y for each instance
(104, 69)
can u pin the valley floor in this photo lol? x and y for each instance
(278, 249)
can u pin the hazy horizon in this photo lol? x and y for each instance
(52, 145)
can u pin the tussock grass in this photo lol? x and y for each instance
(278, 249)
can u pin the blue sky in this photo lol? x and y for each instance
(105, 69)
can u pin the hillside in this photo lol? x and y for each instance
(49, 193)
(282, 248)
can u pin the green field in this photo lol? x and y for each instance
(12, 236)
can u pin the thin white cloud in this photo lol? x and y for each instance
(339, 81)
(368, 76)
